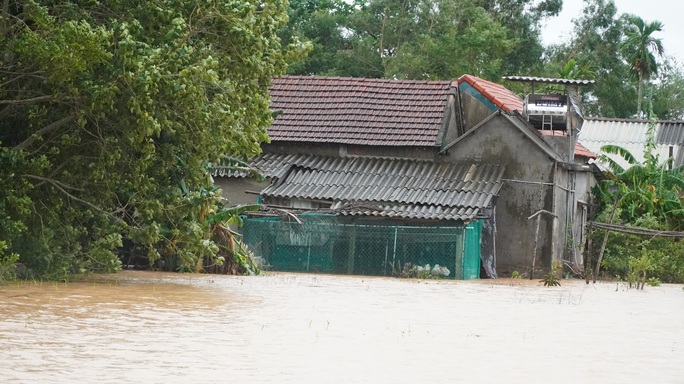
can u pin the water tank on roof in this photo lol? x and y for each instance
(546, 111)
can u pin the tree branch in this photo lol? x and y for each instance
(52, 181)
(48, 128)
(31, 100)
(57, 184)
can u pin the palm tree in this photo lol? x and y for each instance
(639, 46)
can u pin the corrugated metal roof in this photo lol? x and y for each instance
(411, 188)
(631, 135)
(499, 95)
(548, 80)
(408, 212)
(357, 110)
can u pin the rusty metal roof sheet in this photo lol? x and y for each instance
(357, 110)
(631, 134)
(399, 187)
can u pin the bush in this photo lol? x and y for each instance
(665, 255)
(8, 263)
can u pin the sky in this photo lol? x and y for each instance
(669, 12)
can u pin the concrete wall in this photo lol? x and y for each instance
(526, 190)
(475, 109)
(564, 145)
(233, 189)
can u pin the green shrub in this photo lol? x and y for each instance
(8, 263)
(665, 255)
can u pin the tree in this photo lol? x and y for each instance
(111, 112)
(522, 20)
(427, 39)
(668, 91)
(639, 47)
(419, 39)
(322, 24)
(595, 43)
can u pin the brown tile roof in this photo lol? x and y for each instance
(581, 150)
(499, 95)
(357, 110)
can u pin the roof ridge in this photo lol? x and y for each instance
(362, 79)
(632, 120)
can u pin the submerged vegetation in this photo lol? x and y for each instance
(646, 196)
(111, 112)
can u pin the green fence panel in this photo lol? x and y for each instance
(321, 244)
(471, 258)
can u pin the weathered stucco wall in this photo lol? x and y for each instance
(475, 110)
(564, 145)
(233, 189)
(524, 191)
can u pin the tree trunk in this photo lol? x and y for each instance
(640, 94)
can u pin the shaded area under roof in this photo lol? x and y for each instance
(357, 110)
(389, 187)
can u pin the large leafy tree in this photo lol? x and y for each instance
(522, 20)
(595, 44)
(419, 39)
(321, 23)
(428, 39)
(667, 91)
(110, 112)
(640, 47)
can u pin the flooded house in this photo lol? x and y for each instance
(369, 176)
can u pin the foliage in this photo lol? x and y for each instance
(667, 91)
(551, 279)
(419, 39)
(666, 256)
(638, 268)
(638, 47)
(595, 44)
(7, 263)
(111, 112)
(651, 187)
(320, 23)
(645, 195)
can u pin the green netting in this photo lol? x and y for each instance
(322, 244)
(471, 265)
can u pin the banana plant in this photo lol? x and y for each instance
(644, 187)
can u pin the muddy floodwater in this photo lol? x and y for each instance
(145, 327)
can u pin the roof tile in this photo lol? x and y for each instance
(357, 110)
(499, 95)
